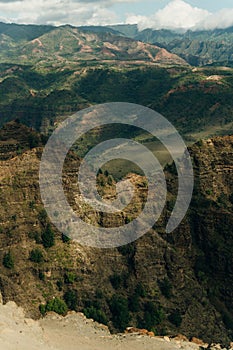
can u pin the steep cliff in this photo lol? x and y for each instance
(168, 283)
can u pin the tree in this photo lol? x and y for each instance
(175, 318)
(153, 316)
(8, 260)
(42, 216)
(48, 237)
(36, 256)
(166, 288)
(96, 314)
(120, 312)
(71, 300)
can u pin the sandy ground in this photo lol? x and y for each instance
(73, 332)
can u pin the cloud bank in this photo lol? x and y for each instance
(180, 15)
(58, 12)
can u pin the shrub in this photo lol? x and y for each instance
(70, 298)
(166, 288)
(8, 260)
(33, 140)
(116, 280)
(57, 305)
(140, 290)
(127, 250)
(41, 275)
(42, 216)
(222, 200)
(97, 314)
(59, 285)
(69, 277)
(36, 256)
(175, 318)
(32, 204)
(99, 294)
(48, 237)
(153, 316)
(65, 238)
(134, 304)
(120, 312)
(36, 236)
(231, 198)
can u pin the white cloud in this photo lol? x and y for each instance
(58, 12)
(221, 19)
(177, 14)
(180, 15)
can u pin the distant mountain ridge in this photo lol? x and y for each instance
(204, 47)
(31, 44)
(198, 48)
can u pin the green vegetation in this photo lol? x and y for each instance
(134, 303)
(175, 318)
(69, 277)
(65, 238)
(120, 312)
(96, 314)
(41, 275)
(57, 305)
(47, 237)
(166, 288)
(118, 280)
(70, 298)
(8, 260)
(42, 216)
(36, 256)
(57, 92)
(153, 316)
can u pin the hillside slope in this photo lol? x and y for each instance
(69, 44)
(168, 283)
(197, 101)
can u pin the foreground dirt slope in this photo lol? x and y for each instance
(72, 332)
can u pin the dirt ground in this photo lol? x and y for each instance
(73, 332)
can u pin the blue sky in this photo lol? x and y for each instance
(173, 14)
(148, 6)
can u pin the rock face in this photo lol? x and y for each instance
(181, 282)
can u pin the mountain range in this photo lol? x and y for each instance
(66, 44)
(205, 47)
(49, 72)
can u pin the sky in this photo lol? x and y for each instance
(156, 14)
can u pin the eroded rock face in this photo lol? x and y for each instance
(187, 275)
